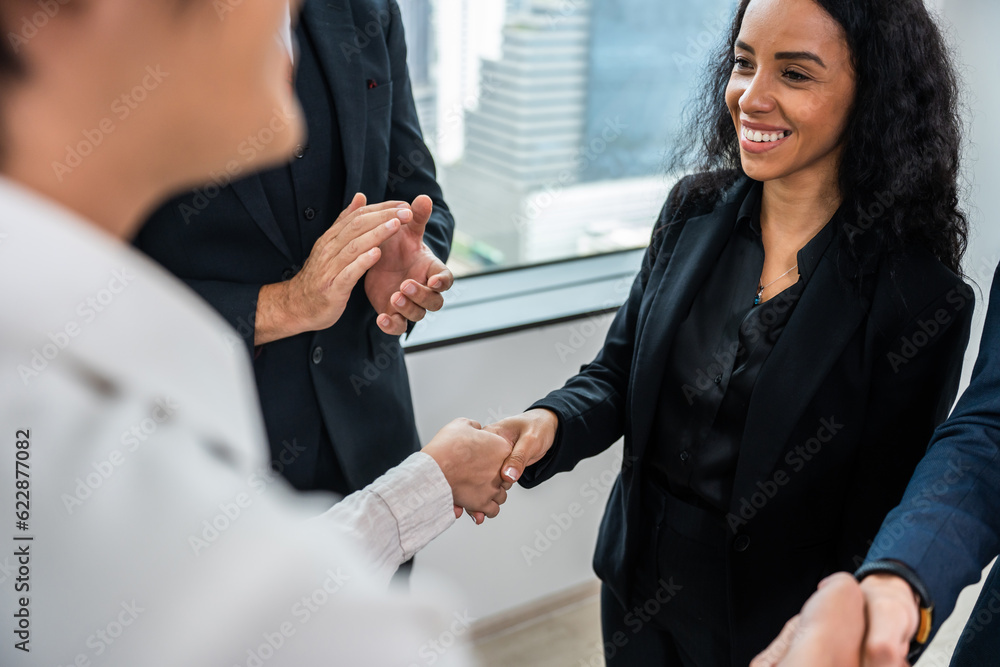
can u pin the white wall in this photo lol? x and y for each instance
(486, 381)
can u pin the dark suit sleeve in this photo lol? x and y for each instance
(913, 387)
(411, 167)
(947, 527)
(236, 302)
(591, 406)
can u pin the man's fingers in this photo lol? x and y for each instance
(354, 271)
(491, 510)
(442, 280)
(422, 296)
(373, 238)
(501, 497)
(478, 517)
(353, 218)
(422, 207)
(777, 650)
(407, 308)
(886, 644)
(393, 324)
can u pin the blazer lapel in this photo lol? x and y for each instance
(251, 192)
(826, 317)
(331, 27)
(698, 247)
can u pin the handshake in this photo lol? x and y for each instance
(482, 464)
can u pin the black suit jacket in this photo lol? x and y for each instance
(225, 243)
(842, 410)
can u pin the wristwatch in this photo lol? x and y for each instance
(926, 605)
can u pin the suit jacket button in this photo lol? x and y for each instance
(300, 151)
(741, 543)
(310, 213)
(317, 355)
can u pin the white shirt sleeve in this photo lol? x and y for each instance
(396, 515)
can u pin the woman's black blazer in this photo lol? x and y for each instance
(841, 413)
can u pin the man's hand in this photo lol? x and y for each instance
(316, 297)
(408, 280)
(831, 630)
(470, 457)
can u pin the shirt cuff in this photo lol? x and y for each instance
(419, 498)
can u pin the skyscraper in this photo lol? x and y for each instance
(565, 153)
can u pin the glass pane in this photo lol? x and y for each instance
(551, 120)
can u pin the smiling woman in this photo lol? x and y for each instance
(897, 164)
(763, 371)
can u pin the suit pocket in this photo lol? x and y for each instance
(379, 97)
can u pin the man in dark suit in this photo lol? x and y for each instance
(939, 539)
(336, 399)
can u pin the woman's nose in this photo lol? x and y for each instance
(758, 97)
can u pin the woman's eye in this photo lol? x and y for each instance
(796, 76)
(741, 63)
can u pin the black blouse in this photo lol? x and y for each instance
(714, 361)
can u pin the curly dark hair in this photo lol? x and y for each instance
(899, 167)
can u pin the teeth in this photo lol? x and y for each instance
(762, 138)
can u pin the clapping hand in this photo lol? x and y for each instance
(409, 279)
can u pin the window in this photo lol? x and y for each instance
(551, 120)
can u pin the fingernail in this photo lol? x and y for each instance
(402, 205)
(434, 283)
(404, 215)
(410, 289)
(400, 300)
(373, 252)
(511, 473)
(392, 224)
(383, 320)
(473, 519)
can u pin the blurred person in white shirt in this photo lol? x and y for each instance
(142, 522)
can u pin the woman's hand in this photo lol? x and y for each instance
(531, 434)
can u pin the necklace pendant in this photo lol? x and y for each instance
(760, 294)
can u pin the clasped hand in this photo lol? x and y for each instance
(482, 464)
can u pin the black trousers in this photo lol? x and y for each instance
(678, 610)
